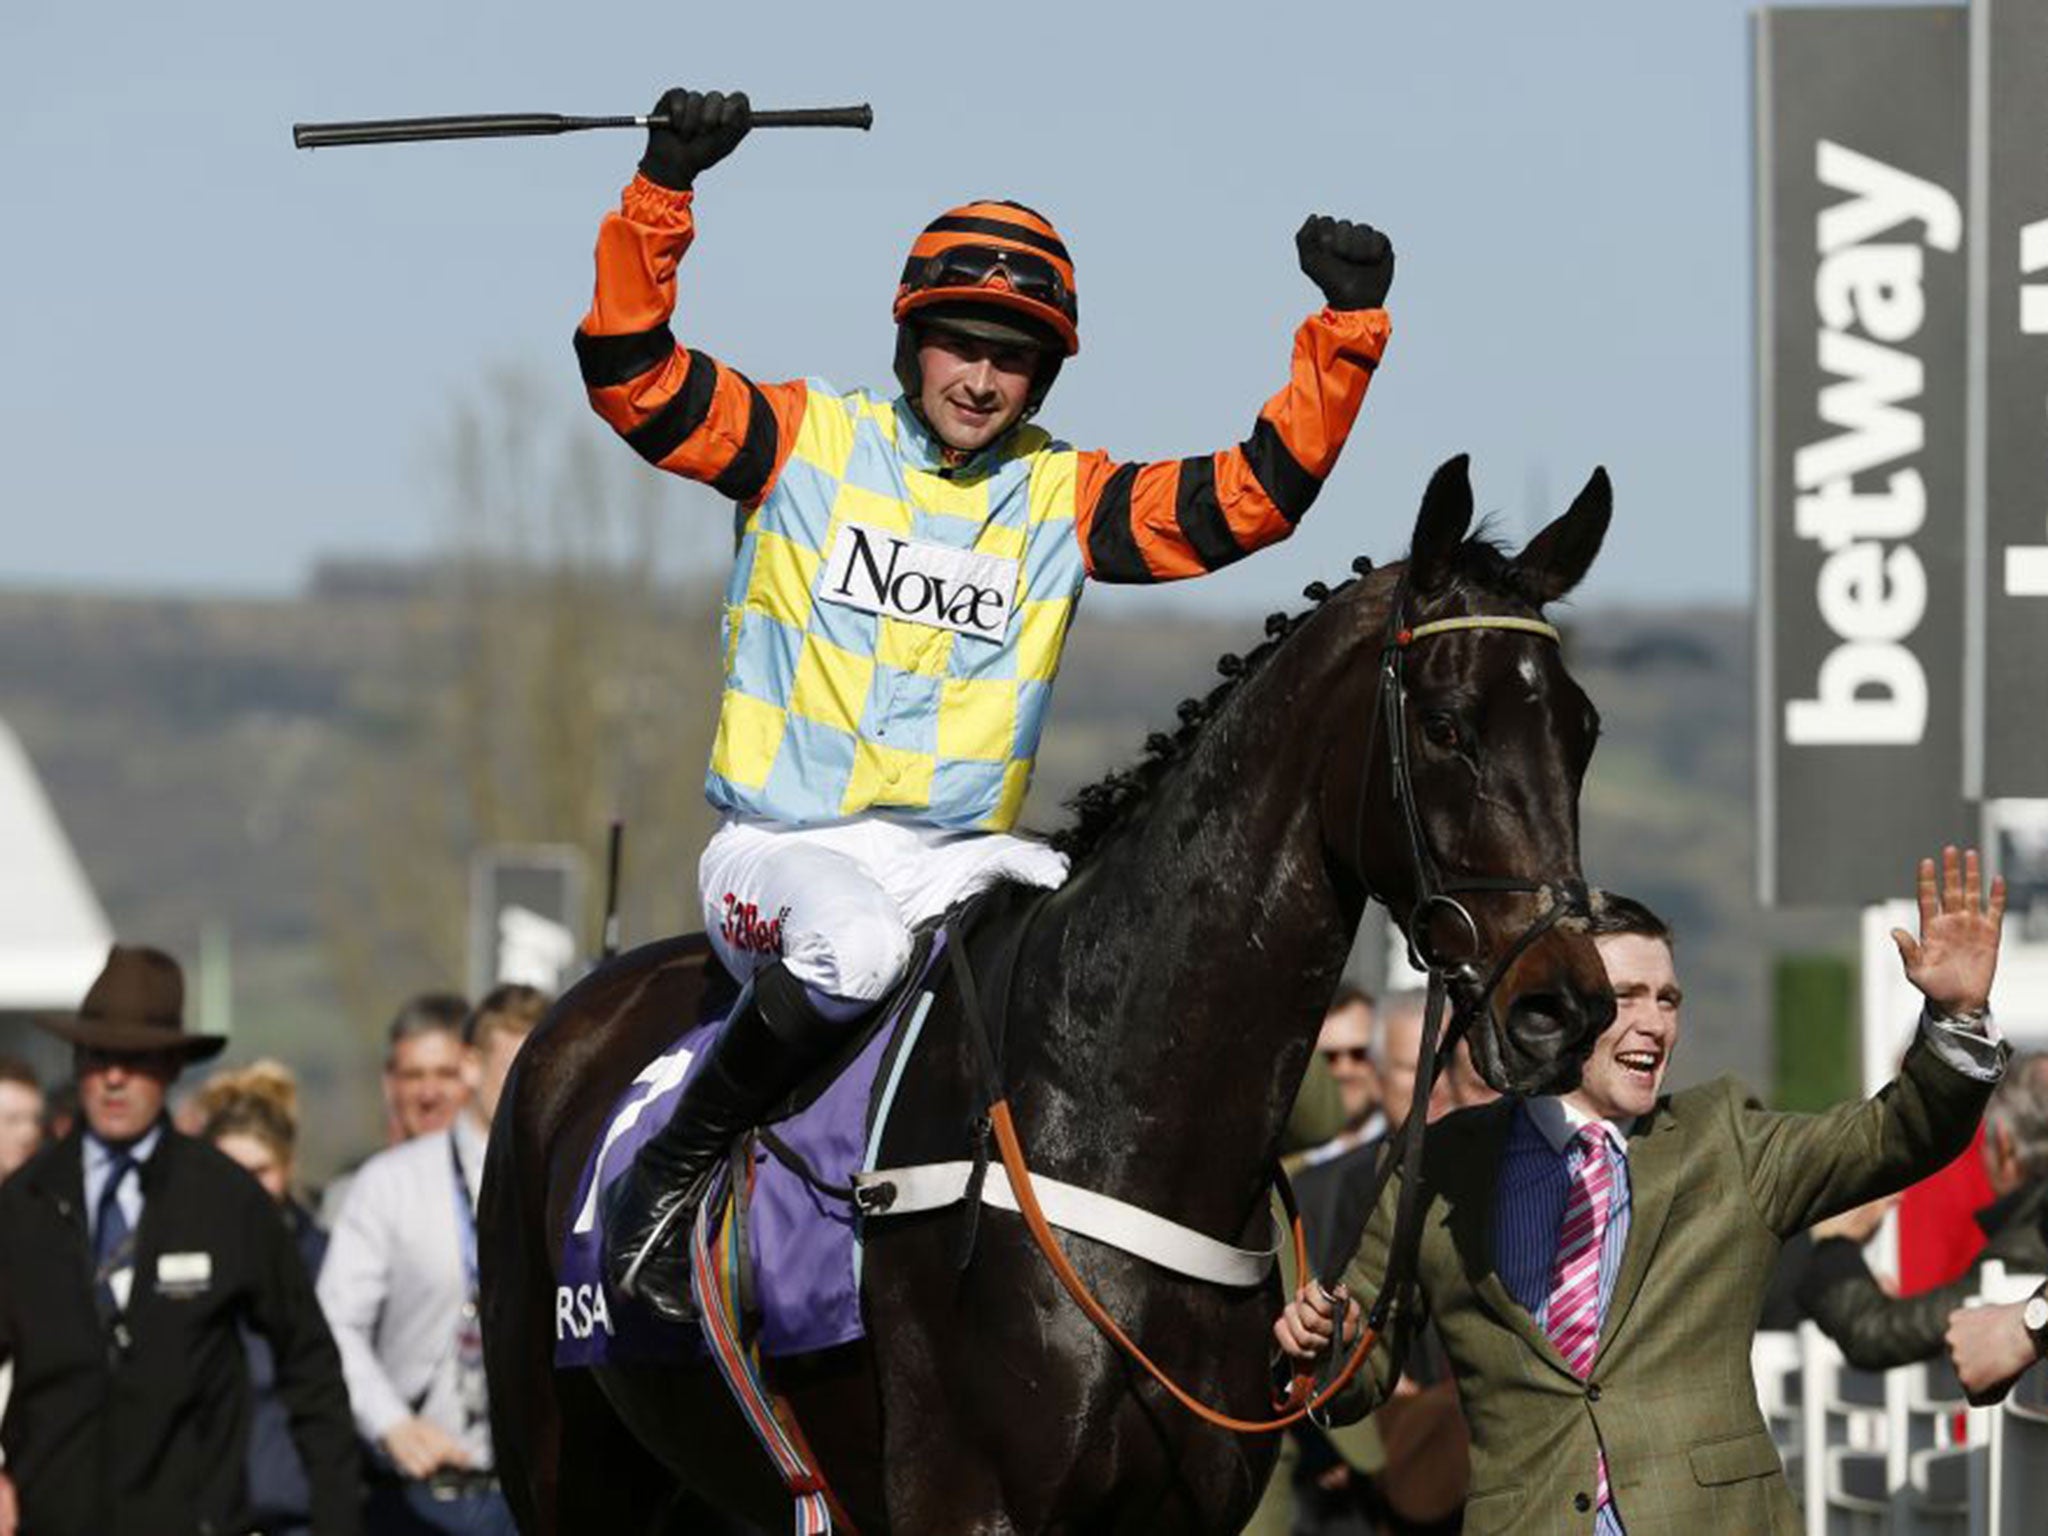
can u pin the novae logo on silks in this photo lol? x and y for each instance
(877, 571)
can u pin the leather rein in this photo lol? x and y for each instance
(1435, 899)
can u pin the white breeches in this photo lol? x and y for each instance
(837, 903)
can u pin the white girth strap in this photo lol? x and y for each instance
(933, 1186)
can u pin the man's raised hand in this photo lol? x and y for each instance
(1956, 955)
(691, 131)
(1353, 264)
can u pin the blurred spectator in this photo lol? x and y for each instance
(1876, 1330)
(60, 1110)
(423, 1081)
(1356, 1479)
(21, 1114)
(1316, 1121)
(253, 1116)
(130, 1256)
(400, 1288)
(1345, 1045)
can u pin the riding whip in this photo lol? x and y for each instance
(520, 125)
(611, 890)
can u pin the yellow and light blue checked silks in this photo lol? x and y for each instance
(828, 710)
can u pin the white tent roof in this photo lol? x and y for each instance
(53, 935)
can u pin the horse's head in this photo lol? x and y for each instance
(1494, 737)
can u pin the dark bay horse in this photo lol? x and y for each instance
(1164, 1004)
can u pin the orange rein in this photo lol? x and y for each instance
(1302, 1399)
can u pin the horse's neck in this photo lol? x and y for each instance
(1198, 949)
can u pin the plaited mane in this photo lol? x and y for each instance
(1482, 564)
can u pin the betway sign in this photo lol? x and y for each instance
(1872, 586)
(1860, 138)
(2006, 746)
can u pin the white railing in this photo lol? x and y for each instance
(1900, 1453)
(2009, 1478)
(1844, 1429)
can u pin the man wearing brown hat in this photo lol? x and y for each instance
(129, 1255)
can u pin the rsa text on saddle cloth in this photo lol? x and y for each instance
(907, 567)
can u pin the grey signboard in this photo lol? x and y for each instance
(1860, 165)
(2008, 481)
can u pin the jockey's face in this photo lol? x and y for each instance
(974, 390)
(1626, 1071)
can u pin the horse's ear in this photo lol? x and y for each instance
(1441, 524)
(1556, 558)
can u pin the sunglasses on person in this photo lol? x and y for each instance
(977, 266)
(1355, 1055)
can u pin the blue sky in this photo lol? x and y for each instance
(225, 357)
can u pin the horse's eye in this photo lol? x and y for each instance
(1440, 730)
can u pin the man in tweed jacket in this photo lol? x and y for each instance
(1709, 1185)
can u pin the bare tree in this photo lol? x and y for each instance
(562, 670)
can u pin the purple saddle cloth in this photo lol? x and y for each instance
(803, 1245)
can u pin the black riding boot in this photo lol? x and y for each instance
(766, 1048)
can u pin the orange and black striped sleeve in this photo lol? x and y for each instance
(681, 410)
(1186, 517)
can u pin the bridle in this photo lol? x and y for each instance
(1448, 968)
(1434, 897)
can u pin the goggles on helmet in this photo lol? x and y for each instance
(989, 266)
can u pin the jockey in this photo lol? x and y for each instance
(907, 568)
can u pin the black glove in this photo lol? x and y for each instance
(692, 131)
(1352, 263)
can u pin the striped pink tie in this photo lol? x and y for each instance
(1574, 1317)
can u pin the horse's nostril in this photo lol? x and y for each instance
(1540, 1015)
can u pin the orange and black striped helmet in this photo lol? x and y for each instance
(994, 255)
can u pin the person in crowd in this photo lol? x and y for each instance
(425, 1083)
(424, 1088)
(1391, 1472)
(899, 604)
(21, 1114)
(60, 1110)
(1344, 1046)
(1876, 1330)
(1594, 1261)
(400, 1287)
(252, 1115)
(131, 1257)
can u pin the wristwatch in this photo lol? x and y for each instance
(2034, 1318)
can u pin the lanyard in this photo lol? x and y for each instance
(465, 1216)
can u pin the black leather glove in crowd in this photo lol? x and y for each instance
(1352, 263)
(694, 131)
